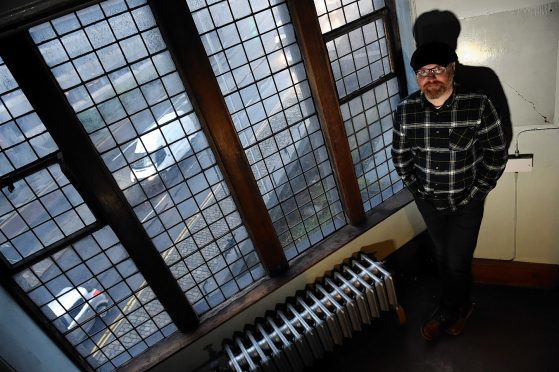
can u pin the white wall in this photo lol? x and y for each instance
(519, 40)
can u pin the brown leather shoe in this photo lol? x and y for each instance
(434, 326)
(456, 328)
(431, 330)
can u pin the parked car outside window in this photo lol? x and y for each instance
(77, 305)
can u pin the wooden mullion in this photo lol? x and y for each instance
(94, 181)
(317, 64)
(181, 36)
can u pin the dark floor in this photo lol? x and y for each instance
(511, 329)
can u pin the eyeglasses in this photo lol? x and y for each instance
(424, 72)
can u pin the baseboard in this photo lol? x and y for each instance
(414, 258)
(516, 274)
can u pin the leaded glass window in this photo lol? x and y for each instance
(119, 77)
(38, 211)
(94, 295)
(356, 37)
(359, 58)
(257, 63)
(333, 14)
(23, 137)
(368, 124)
(80, 276)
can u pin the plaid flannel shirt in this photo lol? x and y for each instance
(449, 155)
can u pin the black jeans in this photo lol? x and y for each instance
(454, 236)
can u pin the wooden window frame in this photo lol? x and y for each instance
(101, 192)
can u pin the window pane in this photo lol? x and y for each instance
(336, 13)
(95, 297)
(38, 211)
(368, 123)
(359, 58)
(259, 68)
(131, 101)
(23, 137)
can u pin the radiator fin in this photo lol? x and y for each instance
(309, 324)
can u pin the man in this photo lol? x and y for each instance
(450, 150)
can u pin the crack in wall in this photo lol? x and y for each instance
(545, 118)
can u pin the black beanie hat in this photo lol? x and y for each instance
(436, 53)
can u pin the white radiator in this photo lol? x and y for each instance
(309, 324)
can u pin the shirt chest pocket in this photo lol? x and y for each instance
(461, 138)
